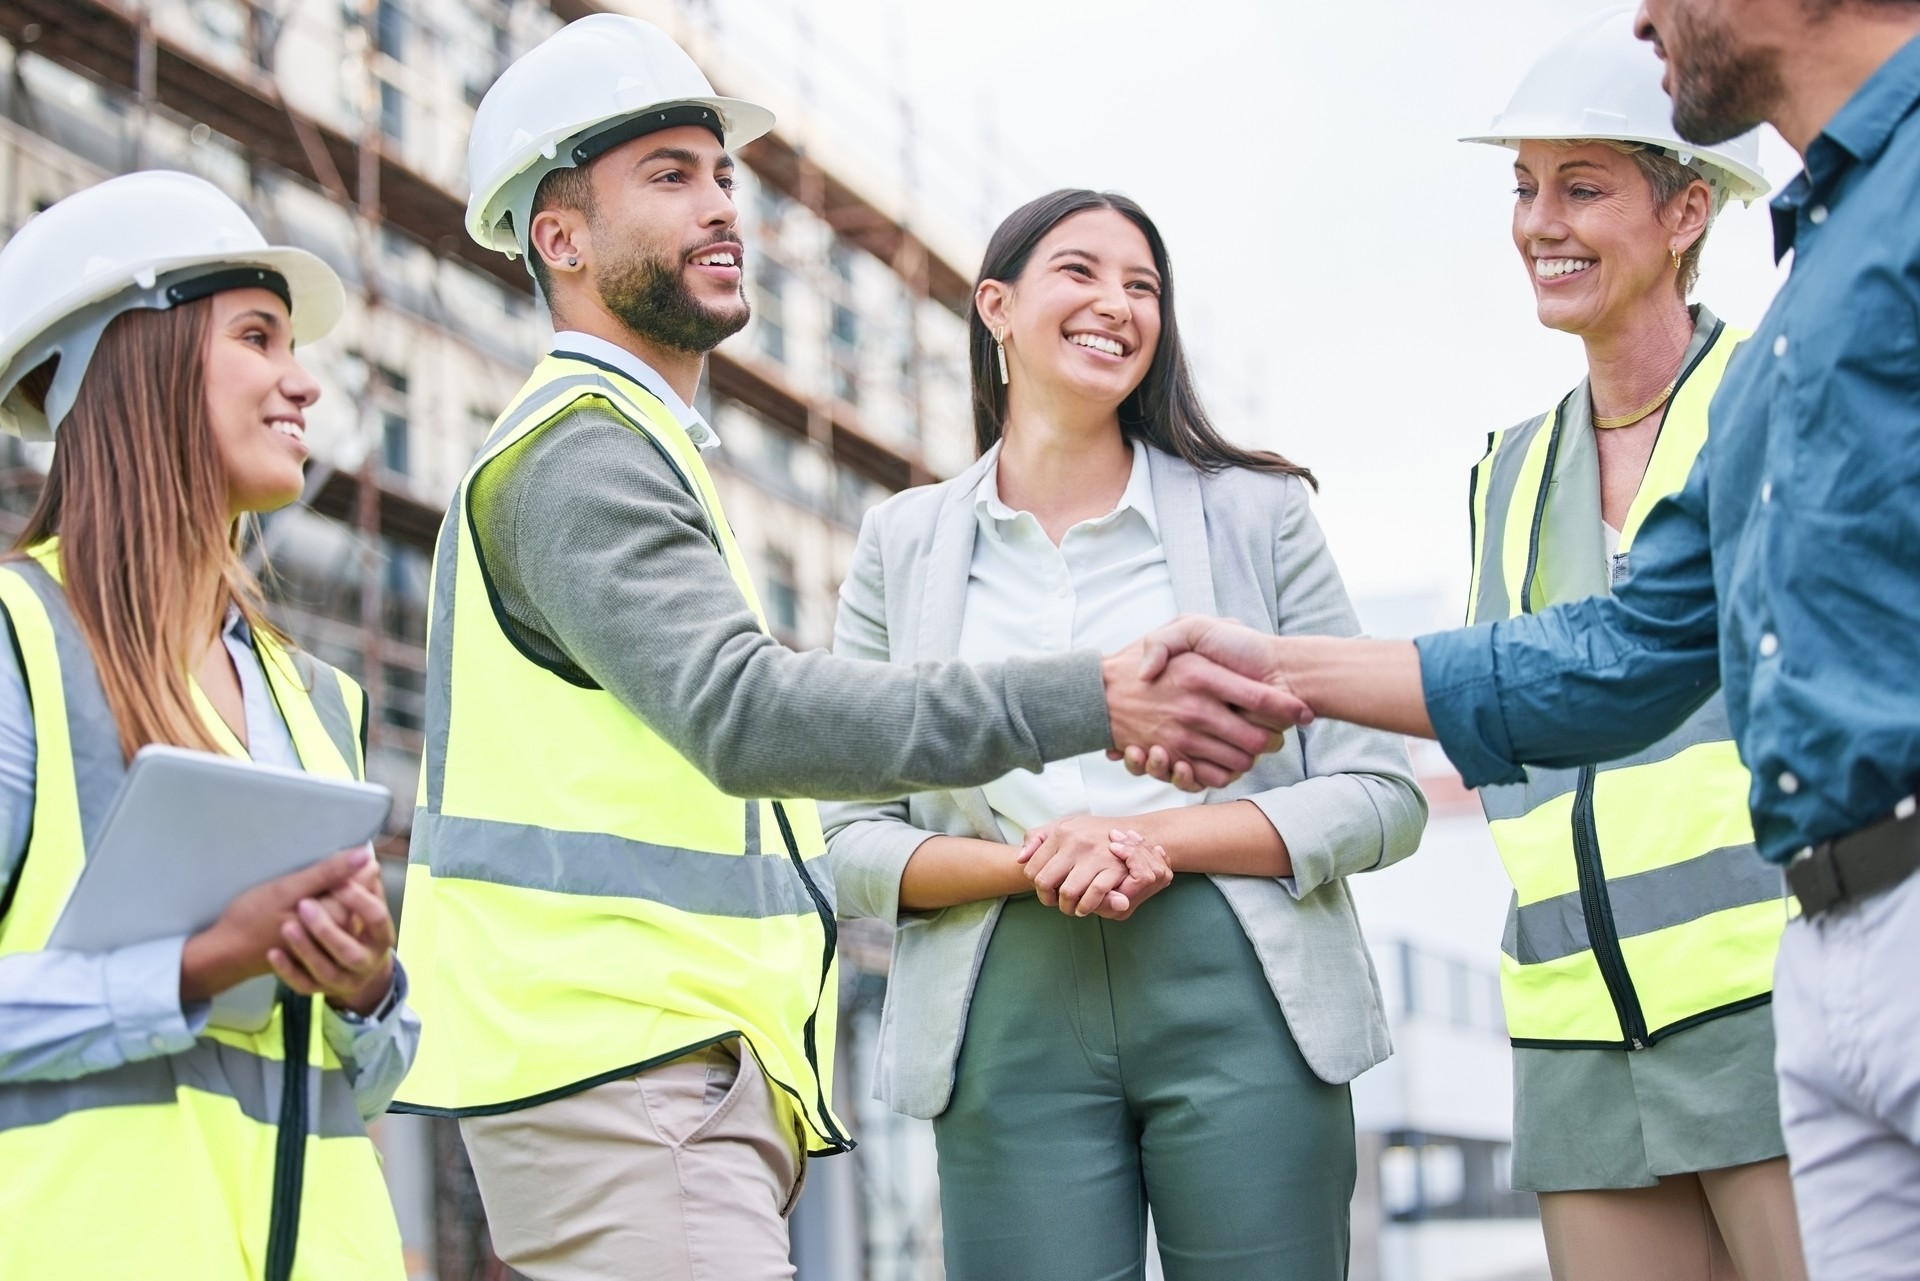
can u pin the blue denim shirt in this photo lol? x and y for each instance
(1788, 568)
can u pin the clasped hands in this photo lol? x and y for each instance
(1196, 702)
(323, 930)
(1091, 866)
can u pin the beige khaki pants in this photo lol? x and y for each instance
(682, 1173)
(1736, 1224)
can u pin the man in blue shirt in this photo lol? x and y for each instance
(1786, 572)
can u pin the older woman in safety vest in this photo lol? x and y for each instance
(1638, 957)
(146, 1130)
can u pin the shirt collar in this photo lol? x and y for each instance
(1857, 135)
(573, 342)
(1137, 496)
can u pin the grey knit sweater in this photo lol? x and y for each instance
(604, 568)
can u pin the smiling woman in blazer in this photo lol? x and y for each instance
(1091, 1034)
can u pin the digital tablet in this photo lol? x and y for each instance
(189, 831)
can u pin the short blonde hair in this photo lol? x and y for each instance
(1668, 178)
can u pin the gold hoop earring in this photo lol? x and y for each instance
(1000, 351)
(1675, 251)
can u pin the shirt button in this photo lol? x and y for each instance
(1789, 782)
(1817, 215)
(1780, 345)
(1769, 645)
(157, 1041)
(1766, 492)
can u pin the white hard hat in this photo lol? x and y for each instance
(589, 86)
(1603, 83)
(152, 240)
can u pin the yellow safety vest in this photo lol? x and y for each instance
(223, 1162)
(1640, 905)
(582, 902)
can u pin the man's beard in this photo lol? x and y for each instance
(650, 296)
(1721, 90)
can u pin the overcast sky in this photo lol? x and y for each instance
(1345, 269)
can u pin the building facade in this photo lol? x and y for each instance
(341, 125)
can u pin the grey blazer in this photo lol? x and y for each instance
(1241, 545)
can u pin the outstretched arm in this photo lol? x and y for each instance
(611, 559)
(1582, 682)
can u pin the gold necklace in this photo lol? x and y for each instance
(1628, 420)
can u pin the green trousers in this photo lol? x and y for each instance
(1112, 1066)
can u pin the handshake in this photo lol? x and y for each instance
(1196, 702)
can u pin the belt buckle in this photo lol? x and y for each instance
(1814, 876)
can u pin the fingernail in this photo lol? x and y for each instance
(308, 909)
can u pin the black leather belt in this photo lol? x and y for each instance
(1850, 868)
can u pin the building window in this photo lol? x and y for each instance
(844, 351)
(840, 260)
(389, 396)
(403, 591)
(771, 207)
(778, 447)
(1430, 1176)
(771, 313)
(783, 596)
(846, 326)
(393, 443)
(390, 38)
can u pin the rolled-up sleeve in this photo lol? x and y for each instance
(1591, 680)
(377, 1051)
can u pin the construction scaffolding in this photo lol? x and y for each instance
(342, 127)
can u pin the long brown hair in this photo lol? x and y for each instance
(138, 497)
(1164, 410)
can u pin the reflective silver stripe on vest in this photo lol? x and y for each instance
(1516, 800)
(1503, 476)
(753, 828)
(210, 1067)
(330, 705)
(98, 767)
(590, 863)
(1734, 876)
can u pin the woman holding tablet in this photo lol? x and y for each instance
(148, 329)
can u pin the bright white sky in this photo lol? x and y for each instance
(1347, 282)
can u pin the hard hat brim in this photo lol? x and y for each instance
(744, 122)
(1745, 183)
(318, 301)
(319, 298)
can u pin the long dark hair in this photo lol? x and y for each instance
(1164, 410)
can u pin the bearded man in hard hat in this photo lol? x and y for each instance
(1638, 959)
(1786, 572)
(626, 972)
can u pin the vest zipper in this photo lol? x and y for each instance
(290, 1139)
(1595, 905)
(831, 929)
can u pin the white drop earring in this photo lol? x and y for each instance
(1000, 350)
